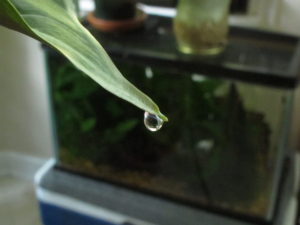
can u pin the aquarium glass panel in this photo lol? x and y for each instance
(221, 148)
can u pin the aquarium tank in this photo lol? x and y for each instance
(225, 146)
(221, 149)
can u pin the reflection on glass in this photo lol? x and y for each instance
(218, 150)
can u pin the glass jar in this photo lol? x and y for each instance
(201, 26)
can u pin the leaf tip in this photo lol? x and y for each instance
(163, 117)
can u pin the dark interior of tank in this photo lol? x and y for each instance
(214, 152)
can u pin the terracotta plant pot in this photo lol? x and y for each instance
(116, 15)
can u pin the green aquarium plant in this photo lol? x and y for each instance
(219, 154)
(55, 23)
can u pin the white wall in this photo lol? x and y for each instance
(290, 23)
(295, 130)
(290, 16)
(24, 113)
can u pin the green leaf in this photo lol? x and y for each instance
(55, 23)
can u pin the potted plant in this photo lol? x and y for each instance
(55, 23)
(116, 15)
(115, 9)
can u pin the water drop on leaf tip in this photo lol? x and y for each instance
(152, 122)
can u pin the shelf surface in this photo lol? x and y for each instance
(251, 55)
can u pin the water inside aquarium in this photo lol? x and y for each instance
(220, 149)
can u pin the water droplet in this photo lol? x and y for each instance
(152, 122)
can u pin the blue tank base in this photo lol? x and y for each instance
(55, 215)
